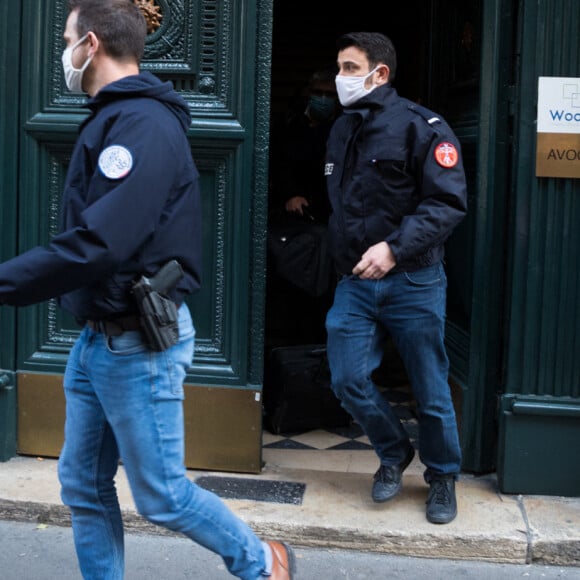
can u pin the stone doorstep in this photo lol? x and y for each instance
(452, 546)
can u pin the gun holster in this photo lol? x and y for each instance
(158, 312)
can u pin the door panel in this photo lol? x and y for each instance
(454, 92)
(208, 49)
(471, 66)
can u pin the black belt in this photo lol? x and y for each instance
(116, 326)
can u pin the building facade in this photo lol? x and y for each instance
(513, 318)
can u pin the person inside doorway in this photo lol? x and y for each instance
(397, 189)
(299, 147)
(131, 205)
(300, 277)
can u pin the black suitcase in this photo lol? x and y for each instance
(297, 392)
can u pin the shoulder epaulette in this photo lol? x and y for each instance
(428, 115)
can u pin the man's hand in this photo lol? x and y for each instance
(375, 262)
(296, 203)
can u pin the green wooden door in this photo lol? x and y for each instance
(454, 92)
(469, 73)
(215, 52)
(9, 135)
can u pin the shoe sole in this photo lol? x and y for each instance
(291, 560)
(435, 520)
(404, 466)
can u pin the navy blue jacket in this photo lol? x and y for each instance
(131, 202)
(385, 183)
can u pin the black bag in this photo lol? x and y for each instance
(297, 250)
(297, 392)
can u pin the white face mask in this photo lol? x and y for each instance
(351, 89)
(74, 76)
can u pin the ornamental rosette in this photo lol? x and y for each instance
(152, 14)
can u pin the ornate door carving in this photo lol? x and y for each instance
(216, 54)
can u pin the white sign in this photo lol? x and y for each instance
(559, 105)
(558, 137)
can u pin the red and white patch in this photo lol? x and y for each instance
(446, 155)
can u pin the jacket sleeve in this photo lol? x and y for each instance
(442, 200)
(119, 216)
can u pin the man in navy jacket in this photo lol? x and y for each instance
(397, 189)
(131, 204)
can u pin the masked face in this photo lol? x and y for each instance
(350, 89)
(321, 107)
(74, 76)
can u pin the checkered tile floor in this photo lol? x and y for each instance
(349, 438)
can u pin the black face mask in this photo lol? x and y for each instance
(321, 107)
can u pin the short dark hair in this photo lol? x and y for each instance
(324, 75)
(377, 47)
(118, 24)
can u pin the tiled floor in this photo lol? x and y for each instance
(337, 449)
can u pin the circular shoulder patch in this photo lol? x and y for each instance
(446, 155)
(115, 161)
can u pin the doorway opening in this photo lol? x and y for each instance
(304, 41)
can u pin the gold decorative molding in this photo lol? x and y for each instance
(152, 14)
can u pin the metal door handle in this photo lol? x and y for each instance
(6, 380)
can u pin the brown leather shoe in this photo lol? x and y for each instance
(283, 561)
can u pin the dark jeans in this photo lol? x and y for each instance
(411, 308)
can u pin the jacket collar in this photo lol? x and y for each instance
(381, 97)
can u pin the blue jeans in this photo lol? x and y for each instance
(411, 308)
(125, 401)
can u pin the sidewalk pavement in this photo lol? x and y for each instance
(333, 509)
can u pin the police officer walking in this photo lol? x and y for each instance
(397, 189)
(131, 205)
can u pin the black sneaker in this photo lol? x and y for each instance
(441, 503)
(387, 482)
